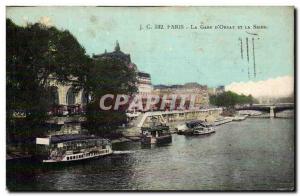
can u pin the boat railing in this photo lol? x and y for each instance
(60, 153)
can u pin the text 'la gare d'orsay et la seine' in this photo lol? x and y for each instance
(199, 27)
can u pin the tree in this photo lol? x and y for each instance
(34, 54)
(107, 76)
(230, 99)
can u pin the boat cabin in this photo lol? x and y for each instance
(156, 134)
(72, 147)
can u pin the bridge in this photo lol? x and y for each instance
(272, 109)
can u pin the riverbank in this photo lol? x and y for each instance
(17, 154)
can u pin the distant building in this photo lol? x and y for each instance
(211, 91)
(200, 92)
(144, 83)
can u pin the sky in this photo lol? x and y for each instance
(175, 56)
(282, 86)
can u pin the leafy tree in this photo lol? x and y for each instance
(107, 76)
(34, 54)
(230, 99)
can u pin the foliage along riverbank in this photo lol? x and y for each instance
(38, 54)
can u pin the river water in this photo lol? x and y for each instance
(255, 154)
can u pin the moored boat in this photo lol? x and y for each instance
(73, 147)
(158, 134)
(186, 128)
(221, 121)
(239, 118)
(196, 127)
(203, 130)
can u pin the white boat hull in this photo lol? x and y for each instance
(223, 121)
(239, 118)
(80, 156)
(204, 132)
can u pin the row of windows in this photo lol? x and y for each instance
(85, 155)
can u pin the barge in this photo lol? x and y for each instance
(159, 134)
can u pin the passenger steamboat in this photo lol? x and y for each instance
(72, 147)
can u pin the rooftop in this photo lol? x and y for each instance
(143, 74)
(116, 54)
(180, 86)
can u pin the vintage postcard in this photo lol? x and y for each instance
(150, 99)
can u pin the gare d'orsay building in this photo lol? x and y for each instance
(65, 100)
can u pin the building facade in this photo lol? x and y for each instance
(195, 91)
(144, 83)
(65, 100)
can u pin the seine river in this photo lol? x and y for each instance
(255, 154)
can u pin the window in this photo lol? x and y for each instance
(71, 96)
(84, 98)
(53, 97)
